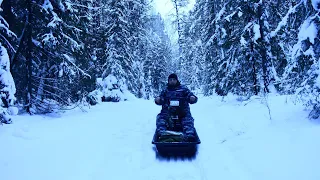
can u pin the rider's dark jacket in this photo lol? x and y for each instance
(179, 92)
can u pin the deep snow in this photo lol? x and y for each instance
(113, 141)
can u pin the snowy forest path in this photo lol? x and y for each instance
(111, 141)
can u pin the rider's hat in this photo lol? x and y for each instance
(173, 76)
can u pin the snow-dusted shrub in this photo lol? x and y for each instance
(7, 88)
(109, 89)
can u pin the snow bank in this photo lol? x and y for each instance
(256, 30)
(47, 5)
(316, 4)
(308, 30)
(269, 138)
(284, 20)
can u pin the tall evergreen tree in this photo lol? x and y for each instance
(158, 56)
(8, 89)
(301, 75)
(119, 58)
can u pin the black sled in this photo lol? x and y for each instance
(174, 143)
(176, 148)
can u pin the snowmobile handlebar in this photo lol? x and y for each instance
(167, 100)
(177, 98)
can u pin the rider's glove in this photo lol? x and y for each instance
(192, 99)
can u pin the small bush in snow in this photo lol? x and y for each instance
(109, 89)
(94, 97)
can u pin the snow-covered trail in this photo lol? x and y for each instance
(113, 141)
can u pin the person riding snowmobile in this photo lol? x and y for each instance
(175, 90)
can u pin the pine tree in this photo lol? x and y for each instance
(7, 88)
(207, 14)
(179, 24)
(193, 54)
(137, 43)
(118, 53)
(236, 47)
(48, 55)
(158, 56)
(301, 75)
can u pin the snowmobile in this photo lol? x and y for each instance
(173, 141)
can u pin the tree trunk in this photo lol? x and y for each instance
(180, 64)
(29, 58)
(178, 23)
(263, 51)
(20, 45)
(255, 81)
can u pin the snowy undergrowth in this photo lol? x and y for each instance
(239, 141)
(236, 117)
(284, 146)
